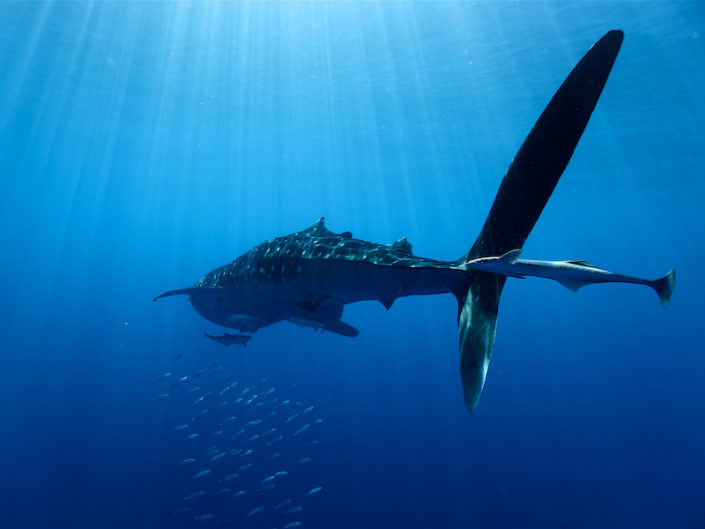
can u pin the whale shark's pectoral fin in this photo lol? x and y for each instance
(335, 326)
(340, 327)
(323, 314)
(193, 291)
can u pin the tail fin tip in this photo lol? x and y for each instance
(664, 287)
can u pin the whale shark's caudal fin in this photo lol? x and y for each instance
(522, 196)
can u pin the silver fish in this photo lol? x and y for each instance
(284, 503)
(302, 429)
(195, 495)
(162, 377)
(256, 510)
(314, 490)
(239, 432)
(201, 474)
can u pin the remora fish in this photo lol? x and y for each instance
(230, 339)
(570, 274)
(308, 277)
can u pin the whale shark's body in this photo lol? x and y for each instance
(309, 276)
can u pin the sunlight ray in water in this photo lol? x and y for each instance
(143, 144)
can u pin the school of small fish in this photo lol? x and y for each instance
(244, 450)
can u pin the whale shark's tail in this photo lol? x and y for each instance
(522, 196)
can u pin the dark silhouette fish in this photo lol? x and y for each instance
(230, 339)
(308, 277)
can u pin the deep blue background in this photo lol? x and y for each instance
(143, 144)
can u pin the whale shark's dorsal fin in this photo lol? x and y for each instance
(319, 228)
(402, 245)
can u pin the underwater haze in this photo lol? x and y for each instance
(143, 144)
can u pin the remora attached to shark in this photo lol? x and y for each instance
(307, 277)
(230, 339)
(571, 274)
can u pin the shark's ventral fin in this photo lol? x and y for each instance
(387, 303)
(522, 196)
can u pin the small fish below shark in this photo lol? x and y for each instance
(307, 277)
(230, 339)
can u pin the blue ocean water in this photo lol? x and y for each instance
(144, 144)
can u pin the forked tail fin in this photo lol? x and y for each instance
(664, 287)
(522, 196)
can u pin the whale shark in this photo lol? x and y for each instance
(307, 277)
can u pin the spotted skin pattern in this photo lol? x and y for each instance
(274, 261)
